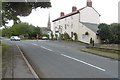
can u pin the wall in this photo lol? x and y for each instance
(89, 15)
(72, 24)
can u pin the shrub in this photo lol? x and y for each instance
(52, 36)
(76, 36)
(66, 36)
(61, 36)
(56, 36)
(91, 40)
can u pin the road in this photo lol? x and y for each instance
(55, 59)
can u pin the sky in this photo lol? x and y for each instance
(108, 9)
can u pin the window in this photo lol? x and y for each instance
(65, 26)
(83, 35)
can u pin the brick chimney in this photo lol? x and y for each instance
(89, 3)
(74, 8)
(61, 14)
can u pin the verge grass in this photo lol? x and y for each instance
(102, 53)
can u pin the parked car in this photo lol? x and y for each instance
(44, 38)
(15, 38)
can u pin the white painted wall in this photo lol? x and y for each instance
(73, 25)
(86, 38)
(89, 15)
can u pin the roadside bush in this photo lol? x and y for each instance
(46, 35)
(56, 36)
(66, 36)
(61, 36)
(91, 40)
(52, 36)
(76, 36)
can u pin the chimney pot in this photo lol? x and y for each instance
(74, 8)
(89, 3)
(61, 14)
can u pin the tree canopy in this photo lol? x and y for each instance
(109, 33)
(11, 10)
(23, 29)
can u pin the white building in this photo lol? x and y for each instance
(82, 21)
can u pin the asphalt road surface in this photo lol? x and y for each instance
(55, 59)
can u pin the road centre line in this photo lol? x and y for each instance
(83, 62)
(74, 59)
(43, 47)
(46, 48)
(34, 44)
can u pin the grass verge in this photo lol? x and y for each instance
(3, 57)
(102, 53)
(4, 47)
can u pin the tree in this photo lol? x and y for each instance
(12, 10)
(104, 32)
(115, 31)
(23, 29)
(109, 33)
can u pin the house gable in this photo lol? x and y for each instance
(89, 15)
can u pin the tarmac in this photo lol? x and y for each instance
(16, 67)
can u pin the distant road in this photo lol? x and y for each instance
(55, 59)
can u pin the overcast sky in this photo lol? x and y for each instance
(108, 9)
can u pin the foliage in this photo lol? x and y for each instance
(56, 36)
(52, 35)
(115, 33)
(24, 29)
(61, 36)
(4, 47)
(104, 32)
(12, 10)
(46, 35)
(66, 36)
(91, 40)
(76, 36)
(109, 33)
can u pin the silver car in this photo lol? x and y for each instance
(15, 38)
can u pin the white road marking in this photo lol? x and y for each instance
(46, 48)
(43, 47)
(83, 62)
(34, 44)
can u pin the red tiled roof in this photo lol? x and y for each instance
(72, 13)
(69, 14)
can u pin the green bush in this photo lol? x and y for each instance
(66, 36)
(76, 36)
(56, 36)
(91, 40)
(52, 36)
(4, 47)
(46, 35)
(62, 36)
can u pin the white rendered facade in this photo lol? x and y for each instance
(73, 23)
